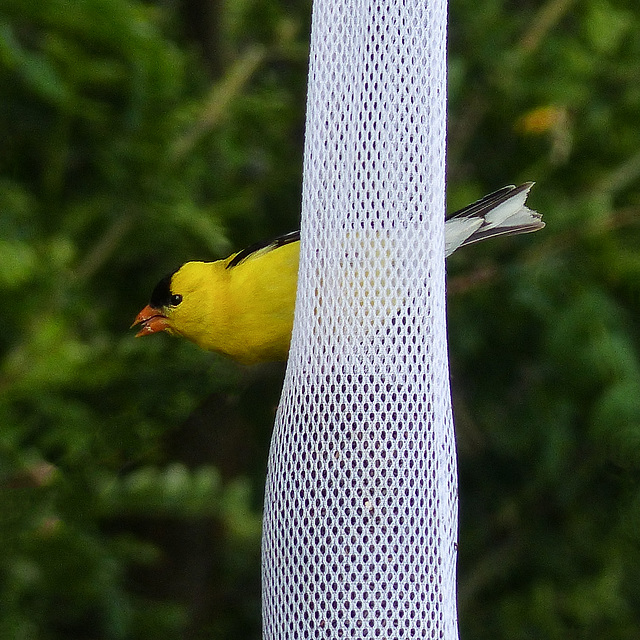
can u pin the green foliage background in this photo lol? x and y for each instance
(138, 135)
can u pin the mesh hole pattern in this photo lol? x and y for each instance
(360, 521)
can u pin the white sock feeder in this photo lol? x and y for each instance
(360, 521)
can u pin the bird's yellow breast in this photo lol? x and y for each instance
(244, 312)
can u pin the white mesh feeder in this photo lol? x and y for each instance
(360, 519)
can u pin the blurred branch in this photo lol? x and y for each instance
(546, 19)
(204, 23)
(620, 177)
(496, 564)
(105, 247)
(219, 98)
(459, 135)
(623, 217)
(469, 436)
(39, 474)
(462, 284)
(490, 272)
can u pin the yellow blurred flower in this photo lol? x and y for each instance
(552, 120)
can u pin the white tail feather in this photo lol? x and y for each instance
(500, 213)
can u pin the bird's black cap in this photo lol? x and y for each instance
(161, 294)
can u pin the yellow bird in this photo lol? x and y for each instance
(242, 306)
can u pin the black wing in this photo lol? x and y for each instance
(269, 245)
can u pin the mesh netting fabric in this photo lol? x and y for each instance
(360, 519)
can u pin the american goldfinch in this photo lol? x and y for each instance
(242, 306)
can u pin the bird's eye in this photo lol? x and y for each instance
(176, 299)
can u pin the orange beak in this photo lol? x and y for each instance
(151, 321)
